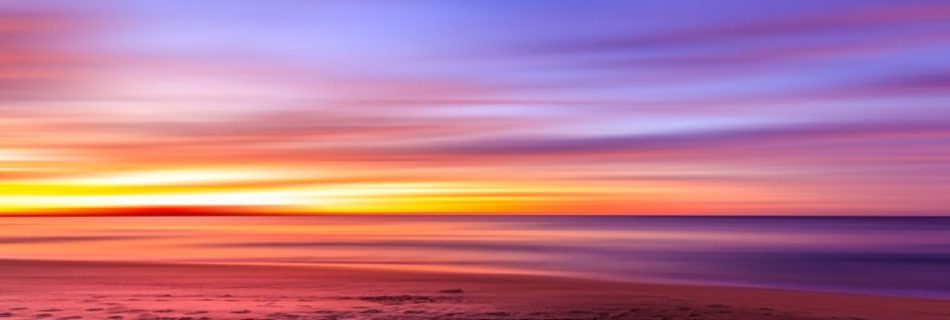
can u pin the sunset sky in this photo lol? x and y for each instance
(560, 107)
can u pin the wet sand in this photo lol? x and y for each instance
(94, 290)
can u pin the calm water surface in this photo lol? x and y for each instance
(887, 256)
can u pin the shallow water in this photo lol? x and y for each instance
(886, 256)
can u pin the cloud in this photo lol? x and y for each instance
(34, 61)
(848, 19)
(770, 137)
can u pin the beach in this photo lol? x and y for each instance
(33, 289)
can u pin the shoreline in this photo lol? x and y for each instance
(144, 290)
(439, 269)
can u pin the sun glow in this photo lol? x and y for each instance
(210, 107)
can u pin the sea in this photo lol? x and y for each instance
(888, 256)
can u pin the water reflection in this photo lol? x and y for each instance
(893, 256)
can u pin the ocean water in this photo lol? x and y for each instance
(879, 256)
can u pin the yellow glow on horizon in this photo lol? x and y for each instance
(147, 190)
(298, 190)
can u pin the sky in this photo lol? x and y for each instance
(475, 107)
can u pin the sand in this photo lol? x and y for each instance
(108, 290)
